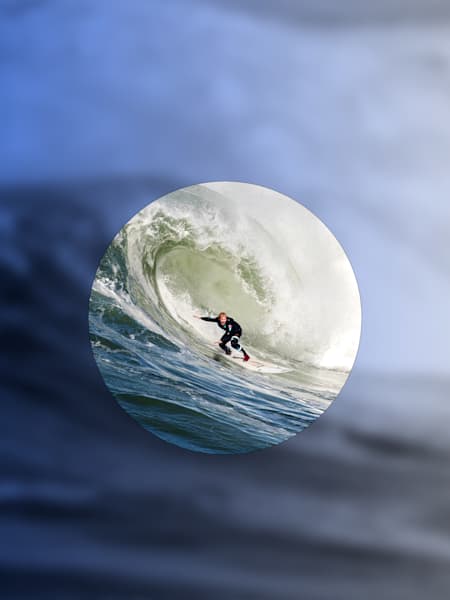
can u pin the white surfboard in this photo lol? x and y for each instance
(254, 364)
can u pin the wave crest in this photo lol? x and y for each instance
(286, 280)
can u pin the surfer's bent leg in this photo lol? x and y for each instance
(237, 346)
(224, 341)
(235, 343)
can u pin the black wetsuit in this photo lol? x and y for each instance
(232, 330)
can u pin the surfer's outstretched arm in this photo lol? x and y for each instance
(211, 319)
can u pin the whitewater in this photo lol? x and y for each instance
(266, 261)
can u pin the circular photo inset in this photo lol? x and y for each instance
(224, 317)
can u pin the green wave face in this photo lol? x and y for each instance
(212, 279)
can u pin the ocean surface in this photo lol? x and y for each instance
(198, 251)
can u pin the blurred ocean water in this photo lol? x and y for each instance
(107, 106)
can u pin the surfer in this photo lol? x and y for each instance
(233, 332)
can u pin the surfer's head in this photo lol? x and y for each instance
(222, 318)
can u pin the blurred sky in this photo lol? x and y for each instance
(352, 121)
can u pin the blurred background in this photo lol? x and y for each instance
(104, 107)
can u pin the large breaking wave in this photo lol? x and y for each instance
(262, 258)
